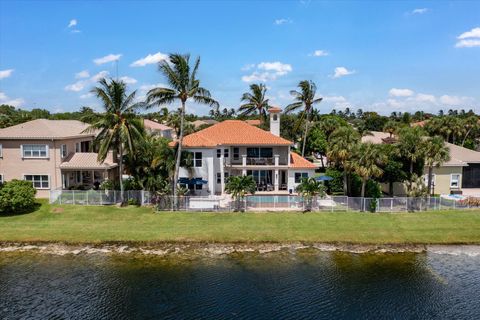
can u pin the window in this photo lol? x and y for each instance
(299, 176)
(199, 186)
(236, 153)
(35, 151)
(77, 147)
(219, 177)
(39, 181)
(455, 181)
(63, 150)
(1, 151)
(1, 178)
(197, 159)
(225, 152)
(259, 152)
(219, 153)
(275, 117)
(78, 176)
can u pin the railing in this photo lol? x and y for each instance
(261, 202)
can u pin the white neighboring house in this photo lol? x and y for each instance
(234, 147)
(158, 129)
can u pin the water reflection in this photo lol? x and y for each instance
(283, 285)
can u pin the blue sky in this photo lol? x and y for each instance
(381, 56)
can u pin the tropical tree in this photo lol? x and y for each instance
(393, 169)
(435, 153)
(341, 144)
(305, 98)
(310, 188)
(367, 162)
(119, 126)
(255, 101)
(471, 125)
(239, 187)
(410, 144)
(183, 85)
(390, 127)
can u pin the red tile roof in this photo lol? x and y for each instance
(275, 109)
(254, 122)
(232, 132)
(298, 162)
(154, 125)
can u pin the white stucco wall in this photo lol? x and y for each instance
(292, 185)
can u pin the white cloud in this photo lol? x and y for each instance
(6, 73)
(422, 97)
(455, 100)
(82, 74)
(72, 23)
(86, 95)
(150, 59)
(248, 67)
(282, 21)
(342, 71)
(319, 53)
(469, 39)
(128, 80)
(4, 99)
(81, 84)
(107, 59)
(335, 102)
(268, 71)
(474, 33)
(419, 11)
(395, 92)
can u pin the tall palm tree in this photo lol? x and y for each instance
(410, 144)
(183, 85)
(367, 162)
(390, 127)
(304, 98)
(255, 101)
(470, 124)
(239, 187)
(436, 153)
(119, 126)
(341, 143)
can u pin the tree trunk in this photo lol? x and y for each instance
(411, 167)
(345, 185)
(390, 188)
(429, 183)
(364, 182)
(305, 135)
(466, 135)
(120, 171)
(321, 159)
(179, 156)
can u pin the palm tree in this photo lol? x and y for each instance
(369, 158)
(310, 188)
(239, 187)
(119, 127)
(183, 85)
(470, 124)
(304, 98)
(410, 144)
(255, 101)
(341, 143)
(390, 127)
(436, 153)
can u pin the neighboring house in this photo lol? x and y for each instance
(459, 175)
(234, 147)
(53, 154)
(198, 123)
(158, 129)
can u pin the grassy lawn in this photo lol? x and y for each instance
(79, 224)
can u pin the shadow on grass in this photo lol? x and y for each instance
(35, 208)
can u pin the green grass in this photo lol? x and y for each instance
(81, 224)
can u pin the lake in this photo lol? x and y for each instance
(303, 284)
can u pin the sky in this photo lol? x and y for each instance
(378, 56)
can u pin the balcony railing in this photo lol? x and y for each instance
(260, 161)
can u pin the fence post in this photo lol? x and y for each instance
(73, 196)
(86, 192)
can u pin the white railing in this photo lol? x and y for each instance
(261, 202)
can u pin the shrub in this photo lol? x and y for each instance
(17, 196)
(334, 186)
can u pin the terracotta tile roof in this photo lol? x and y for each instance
(377, 137)
(254, 122)
(298, 162)
(46, 129)
(85, 160)
(232, 132)
(275, 109)
(153, 125)
(198, 123)
(419, 123)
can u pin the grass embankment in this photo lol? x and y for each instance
(81, 224)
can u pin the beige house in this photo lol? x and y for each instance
(53, 154)
(459, 175)
(158, 129)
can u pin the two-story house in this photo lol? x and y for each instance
(53, 154)
(233, 148)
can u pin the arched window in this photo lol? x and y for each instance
(275, 117)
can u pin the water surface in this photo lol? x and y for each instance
(283, 285)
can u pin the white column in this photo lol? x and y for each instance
(244, 164)
(222, 173)
(276, 177)
(277, 160)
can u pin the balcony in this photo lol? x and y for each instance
(245, 161)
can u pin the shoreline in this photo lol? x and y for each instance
(221, 249)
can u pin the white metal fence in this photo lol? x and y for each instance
(260, 202)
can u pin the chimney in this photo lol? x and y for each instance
(275, 120)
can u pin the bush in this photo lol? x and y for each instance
(334, 186)
(17, 196)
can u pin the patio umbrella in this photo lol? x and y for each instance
(194, 181)
(323, 178)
